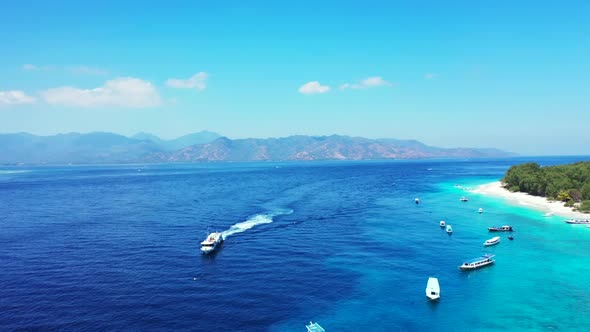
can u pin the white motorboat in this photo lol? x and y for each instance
(314, 327)
(417, 200)
(432, 289)
(442, 223)
(578, 221)
(449, 229)
(477, 263)
(492, 241)
(464, 199)
(211, 243)
(480, 210)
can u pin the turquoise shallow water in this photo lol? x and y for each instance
(538, 283)
(116, 248)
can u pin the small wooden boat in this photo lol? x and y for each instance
(504, 228)
(578, 221)
(477, 263)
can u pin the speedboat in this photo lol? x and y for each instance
(578, 221)
(463, 199)
(504, 228)
(442, 223)
(480, 210)
(314, 327)
(211, 243)
(492, 241)
(449, 229)
(477, 263)
(432, 289)
(417, 200)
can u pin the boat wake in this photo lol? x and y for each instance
(13, 172)
(258, 219)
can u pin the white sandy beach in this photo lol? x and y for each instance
(533, 202)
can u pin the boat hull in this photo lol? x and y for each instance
(469, 268)
(208, 250)
(492, 241)
(578, 222)
(432, 289)
(501, 229)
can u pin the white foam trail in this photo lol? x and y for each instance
(257, 219)
(13, 172)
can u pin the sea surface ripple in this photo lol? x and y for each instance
(116, 247)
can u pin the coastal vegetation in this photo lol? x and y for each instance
(566, 183)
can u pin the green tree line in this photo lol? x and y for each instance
(567, 183)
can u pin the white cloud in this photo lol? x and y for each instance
(121, 92)
(31, 67)
(429, 76)
(198, 81)
(15, 97)
(374, 81)
(78, 70)
(313, 87)
(86, 70)
(368, 82)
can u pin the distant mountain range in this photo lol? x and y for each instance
(100, 147)
(201, 137)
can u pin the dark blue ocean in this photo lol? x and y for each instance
(117, 248)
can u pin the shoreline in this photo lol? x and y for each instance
(534, 202)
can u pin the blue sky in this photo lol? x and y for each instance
(508, 74)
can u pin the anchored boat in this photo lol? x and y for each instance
(477, 263)
(211, 242)
(504, 228)
(492, 241)
(432, 289)
(463, 199)
(449, 229)
(577, 221)
(442, 223)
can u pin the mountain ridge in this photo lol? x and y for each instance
(105, 147)
(307, 148)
